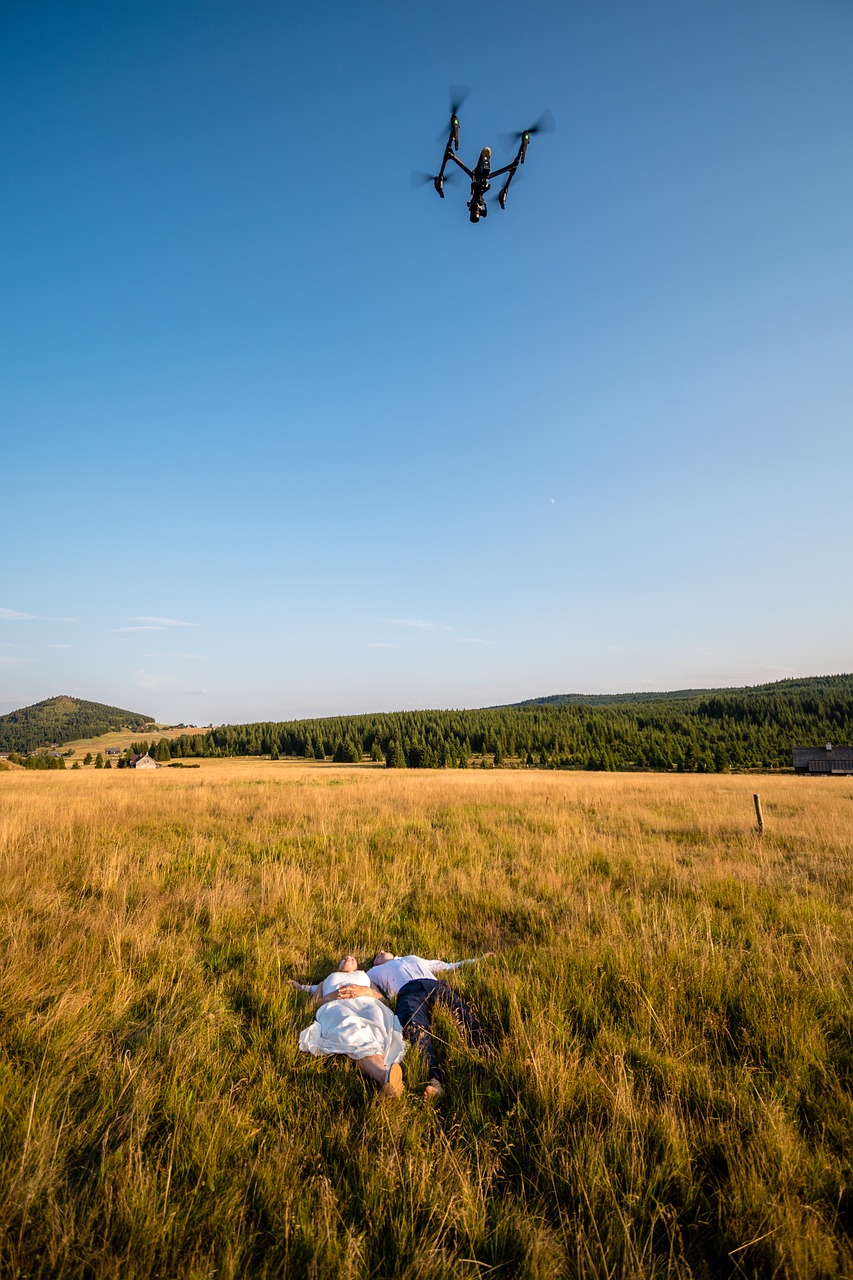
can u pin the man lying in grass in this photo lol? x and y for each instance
(352, 1019)
(412, 980)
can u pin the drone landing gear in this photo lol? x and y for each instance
(438, 183)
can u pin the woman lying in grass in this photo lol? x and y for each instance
(353, 1019)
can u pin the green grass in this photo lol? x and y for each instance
(671, 1008)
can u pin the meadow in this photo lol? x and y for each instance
(670, 1091)
(121, 738)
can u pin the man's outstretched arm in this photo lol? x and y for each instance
(444, 966)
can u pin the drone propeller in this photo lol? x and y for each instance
(419, 178)
(458, 95)
(545, 124)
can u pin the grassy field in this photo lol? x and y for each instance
(121, 738)
(671, 1008)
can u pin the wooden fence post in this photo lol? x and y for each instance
(759, 815)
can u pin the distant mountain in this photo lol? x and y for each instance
(62, 720)
(805, 685)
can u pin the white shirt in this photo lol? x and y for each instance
(391, 976)
(358, 978)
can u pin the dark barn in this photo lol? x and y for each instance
(823, 760)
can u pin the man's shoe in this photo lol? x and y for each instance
(433, 1091)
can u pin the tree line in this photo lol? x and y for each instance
(737, 729)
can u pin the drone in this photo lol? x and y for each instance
(482, 173)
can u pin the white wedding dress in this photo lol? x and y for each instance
(362, 1027)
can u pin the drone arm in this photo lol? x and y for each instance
(511, 169)
(463, 167)
(438, 180)
(504, 191)
(513, 164)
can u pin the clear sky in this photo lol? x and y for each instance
(282, 436)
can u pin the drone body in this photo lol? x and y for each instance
(482, 173)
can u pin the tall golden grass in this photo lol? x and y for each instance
(671, 1011)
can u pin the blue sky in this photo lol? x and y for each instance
(283, 437)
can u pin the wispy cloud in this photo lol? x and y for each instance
(148, 623)
(59, 646)
(470, 640)
(379, 644)
(15, 615)
(196, 693)
(187, 657)
(165, 622)
(420, 624)
(7, 661)
(423, 624)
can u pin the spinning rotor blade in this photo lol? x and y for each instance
(545, 124)
(419, 178)
(458, 94)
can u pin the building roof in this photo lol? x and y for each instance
(825, 759)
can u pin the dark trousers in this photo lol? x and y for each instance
(415, 1004)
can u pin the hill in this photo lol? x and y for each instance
(62, 720)
(692, 731)
(816, 685)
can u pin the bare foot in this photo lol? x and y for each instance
(393, 1086)
(433, 1091)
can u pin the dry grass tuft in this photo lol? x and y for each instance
(670, 1092)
